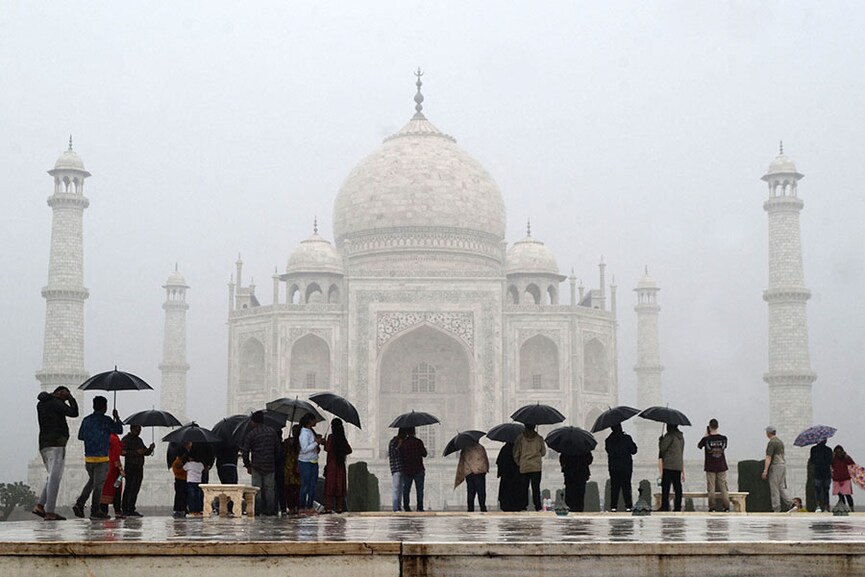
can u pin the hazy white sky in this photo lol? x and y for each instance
(636, 131)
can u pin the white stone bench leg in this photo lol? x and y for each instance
(249, 497)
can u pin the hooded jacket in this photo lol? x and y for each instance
(95, 431)
(473, 461)
(52, 413)
(529, 451)
(620, 449)
(671, 448)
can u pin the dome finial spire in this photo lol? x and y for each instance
(781, 146)
(418, 98)
(70, 142)
(315, 224)
(529, 226)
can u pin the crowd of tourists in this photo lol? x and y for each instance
(286, 471)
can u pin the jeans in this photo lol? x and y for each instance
(821, 492)
(266, 503)
(96, 475)
(180, 496)
(533, 479)
(777, 479)
(720, 478)
(674, 478)
(308, 481)
(194, 498)
(396, 490)
(54, 459)
(620, 482)
(134, 476)
(476, 484)
(407, 480)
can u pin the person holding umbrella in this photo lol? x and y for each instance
(95, 431)
(259, 452)
(620, 448)
(335, 476)
(134, 452)
(472, 468)
(413, 452)
(394, 458)
(671, 466)
(821, 459)
(529, 451)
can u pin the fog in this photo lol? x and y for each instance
(633, 131)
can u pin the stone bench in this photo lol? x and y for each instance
(237, 494)
(737, 498)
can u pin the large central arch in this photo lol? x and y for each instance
(425, 369)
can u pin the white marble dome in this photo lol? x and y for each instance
(782, 164)
(69, 160)
(176, 279)
(314, 254)
(647, 282)
(419, 179)
(530, 256)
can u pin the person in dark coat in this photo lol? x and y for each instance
(575, 469)
(511, 495)
(821, 460)
(620, 449)
(52, 411)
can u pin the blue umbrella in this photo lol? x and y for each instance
(813, 435)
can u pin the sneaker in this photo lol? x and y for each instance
(818, 510)
(613, 510)
(99, 515)
(628, 509)
(134, 514)
(78, 509)
(54, 517)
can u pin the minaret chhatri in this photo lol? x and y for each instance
(173, 365)
(789, 376)
(648, 367)
(63, 345)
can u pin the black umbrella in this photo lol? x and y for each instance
(665, 415)
(538, 414)
(413, 419)
(191, 433)
(115, 381)
(339, 406)
(225, 428)
(613, 416)
(506, 432)
(461, 440)
(571, 441)
(272, 419)
(294, 409)
(153, 418)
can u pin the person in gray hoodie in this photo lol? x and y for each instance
(52, 410)
(671, 466)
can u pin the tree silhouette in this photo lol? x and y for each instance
(13, 495)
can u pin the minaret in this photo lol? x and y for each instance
(173, 365)
(648, 367)
(63, 345)
(789, 376)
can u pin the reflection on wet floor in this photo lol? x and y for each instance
(478, 528)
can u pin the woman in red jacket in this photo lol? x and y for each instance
(841, 486)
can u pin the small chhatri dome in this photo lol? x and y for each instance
(530, 256)
(647, 282)
(176, 278)
(782, 163)
(314, 254)
(69, 160)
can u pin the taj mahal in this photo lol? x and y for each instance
(420, 303)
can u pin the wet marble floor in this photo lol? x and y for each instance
(451, 528)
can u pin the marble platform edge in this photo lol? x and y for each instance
(632, 549)
(428, 549)
(215, 548)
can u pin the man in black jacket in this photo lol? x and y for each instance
(52, 410)
(821, 460)
(620, 451)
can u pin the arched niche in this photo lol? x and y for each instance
(251, 368)
(313, 293)
(539, 364)
(425, 369)
(333, 294)
(596, 370)
(294, 295)
(533, 294)
(310, 364)
(513, 295)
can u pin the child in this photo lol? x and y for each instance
(841, 485)
(337, 448)
(194, 469)
(797, 506)
(180, 481)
